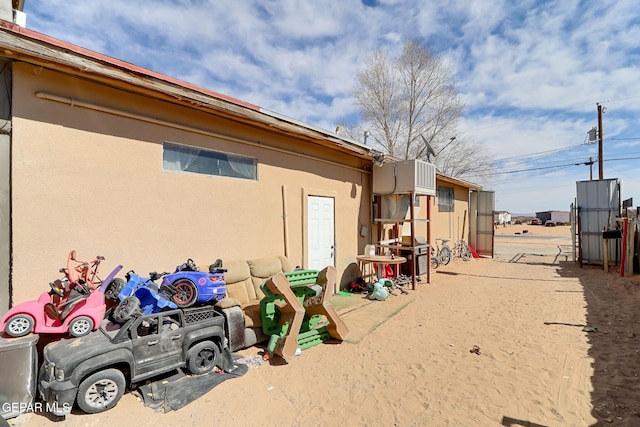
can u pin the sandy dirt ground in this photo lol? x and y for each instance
(557, 345)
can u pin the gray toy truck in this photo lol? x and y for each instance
(94, 371)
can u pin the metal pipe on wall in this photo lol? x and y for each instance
(285, 221)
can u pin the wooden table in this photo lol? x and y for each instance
(381, 260)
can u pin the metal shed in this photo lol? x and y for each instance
(598, 204)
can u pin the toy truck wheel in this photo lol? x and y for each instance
(114, 288)
(80, 326)
(186, 293)
(101, 391)
(128, 308)
(202, 357)
(19, 325)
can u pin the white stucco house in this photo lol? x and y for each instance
(501, 217)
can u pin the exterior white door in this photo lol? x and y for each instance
(320, 239)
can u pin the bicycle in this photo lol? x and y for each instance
(461, 250)
(442, 255)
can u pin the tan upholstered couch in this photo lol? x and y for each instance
(241, 306)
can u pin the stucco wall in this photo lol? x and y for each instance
(5, 223)
(450, 225)
(94, 182)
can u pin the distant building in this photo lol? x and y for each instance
(501, 217)
(559, 217)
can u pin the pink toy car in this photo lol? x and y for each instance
(75, 303)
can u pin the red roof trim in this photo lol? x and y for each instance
(9, 26)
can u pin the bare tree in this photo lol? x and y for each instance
(411, 108)
(464, 158)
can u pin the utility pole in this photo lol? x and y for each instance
(600, 158)
(590, 168)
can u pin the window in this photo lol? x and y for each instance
(171, 322)
(445, 199)
(148, 327)
(184, 158)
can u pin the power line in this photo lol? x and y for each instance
(556, 150)
(553, 167)
(535, 169)
(533, 156)
(623, 158)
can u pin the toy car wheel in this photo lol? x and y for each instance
(19, 325)
(202, 357)
(186, 293)
(101, 391)
(128, 308)
(114, 288)
(80, 326)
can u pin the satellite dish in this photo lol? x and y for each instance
(430, 151)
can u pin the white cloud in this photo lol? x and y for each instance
(530, 72)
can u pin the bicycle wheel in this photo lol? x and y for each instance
(465, 253)
(434, 262)
(445, 255)
(456, 252)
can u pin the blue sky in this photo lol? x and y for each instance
(531, 73)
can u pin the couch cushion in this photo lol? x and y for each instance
(286, 264)
(238, 291)
(252, 318)
(265, 267)
(261, 269)
(244, 278)
(237, 271)
(239, 284)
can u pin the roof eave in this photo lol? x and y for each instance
(53, 53)
(457, 181)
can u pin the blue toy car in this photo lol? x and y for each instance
(192, 285)
(142, 296)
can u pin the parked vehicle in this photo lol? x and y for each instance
(550, 224)
(194, 286)
(536, 221)
(74, 304)
(95, 370)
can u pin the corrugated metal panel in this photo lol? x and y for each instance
(481, 207)
(598, 204)
(486, 206)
